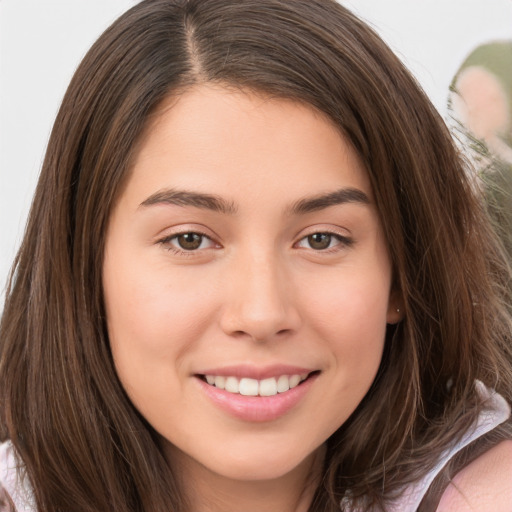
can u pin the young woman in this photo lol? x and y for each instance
(255, 277)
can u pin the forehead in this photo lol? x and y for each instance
(213, 139)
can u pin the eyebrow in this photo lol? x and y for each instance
(195, 199)
(219, 204)
(322, 201)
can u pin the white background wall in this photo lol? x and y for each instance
(42, 41)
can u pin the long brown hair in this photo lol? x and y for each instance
(83, 444)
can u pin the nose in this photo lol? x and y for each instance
(259, 302)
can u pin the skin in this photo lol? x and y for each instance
(485, 485)
(254, 293)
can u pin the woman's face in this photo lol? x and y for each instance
(244, 257)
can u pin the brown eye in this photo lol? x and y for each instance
(189, 241)
(319, 241)
(323, 240)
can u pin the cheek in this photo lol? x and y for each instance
(351, 332)
(150, 307)
(355, 304)
(154, 320)
(152, 326)
(349, 316)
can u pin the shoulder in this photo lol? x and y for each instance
(485, 485)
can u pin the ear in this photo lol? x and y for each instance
(395, 307)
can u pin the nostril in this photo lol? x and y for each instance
(240, 334)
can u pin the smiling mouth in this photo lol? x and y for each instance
(253, 387)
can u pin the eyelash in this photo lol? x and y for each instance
(167, 243)
(343, 242)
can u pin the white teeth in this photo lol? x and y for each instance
(268, 387)
(220, 382)
(253, 387)
(231, 385)
(283, 384)
(294, 380)
(249, 387)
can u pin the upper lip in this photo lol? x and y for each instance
(255, 372)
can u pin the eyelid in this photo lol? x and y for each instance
(182, 229)
(177, 235)
(340, 234)
(330, 229)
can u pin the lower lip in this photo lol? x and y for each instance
(257, 408)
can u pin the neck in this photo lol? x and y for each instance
(207, 491)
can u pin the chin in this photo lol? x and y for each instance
(265, 465)
(250, 471)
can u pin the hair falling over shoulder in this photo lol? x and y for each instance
(84, 446)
